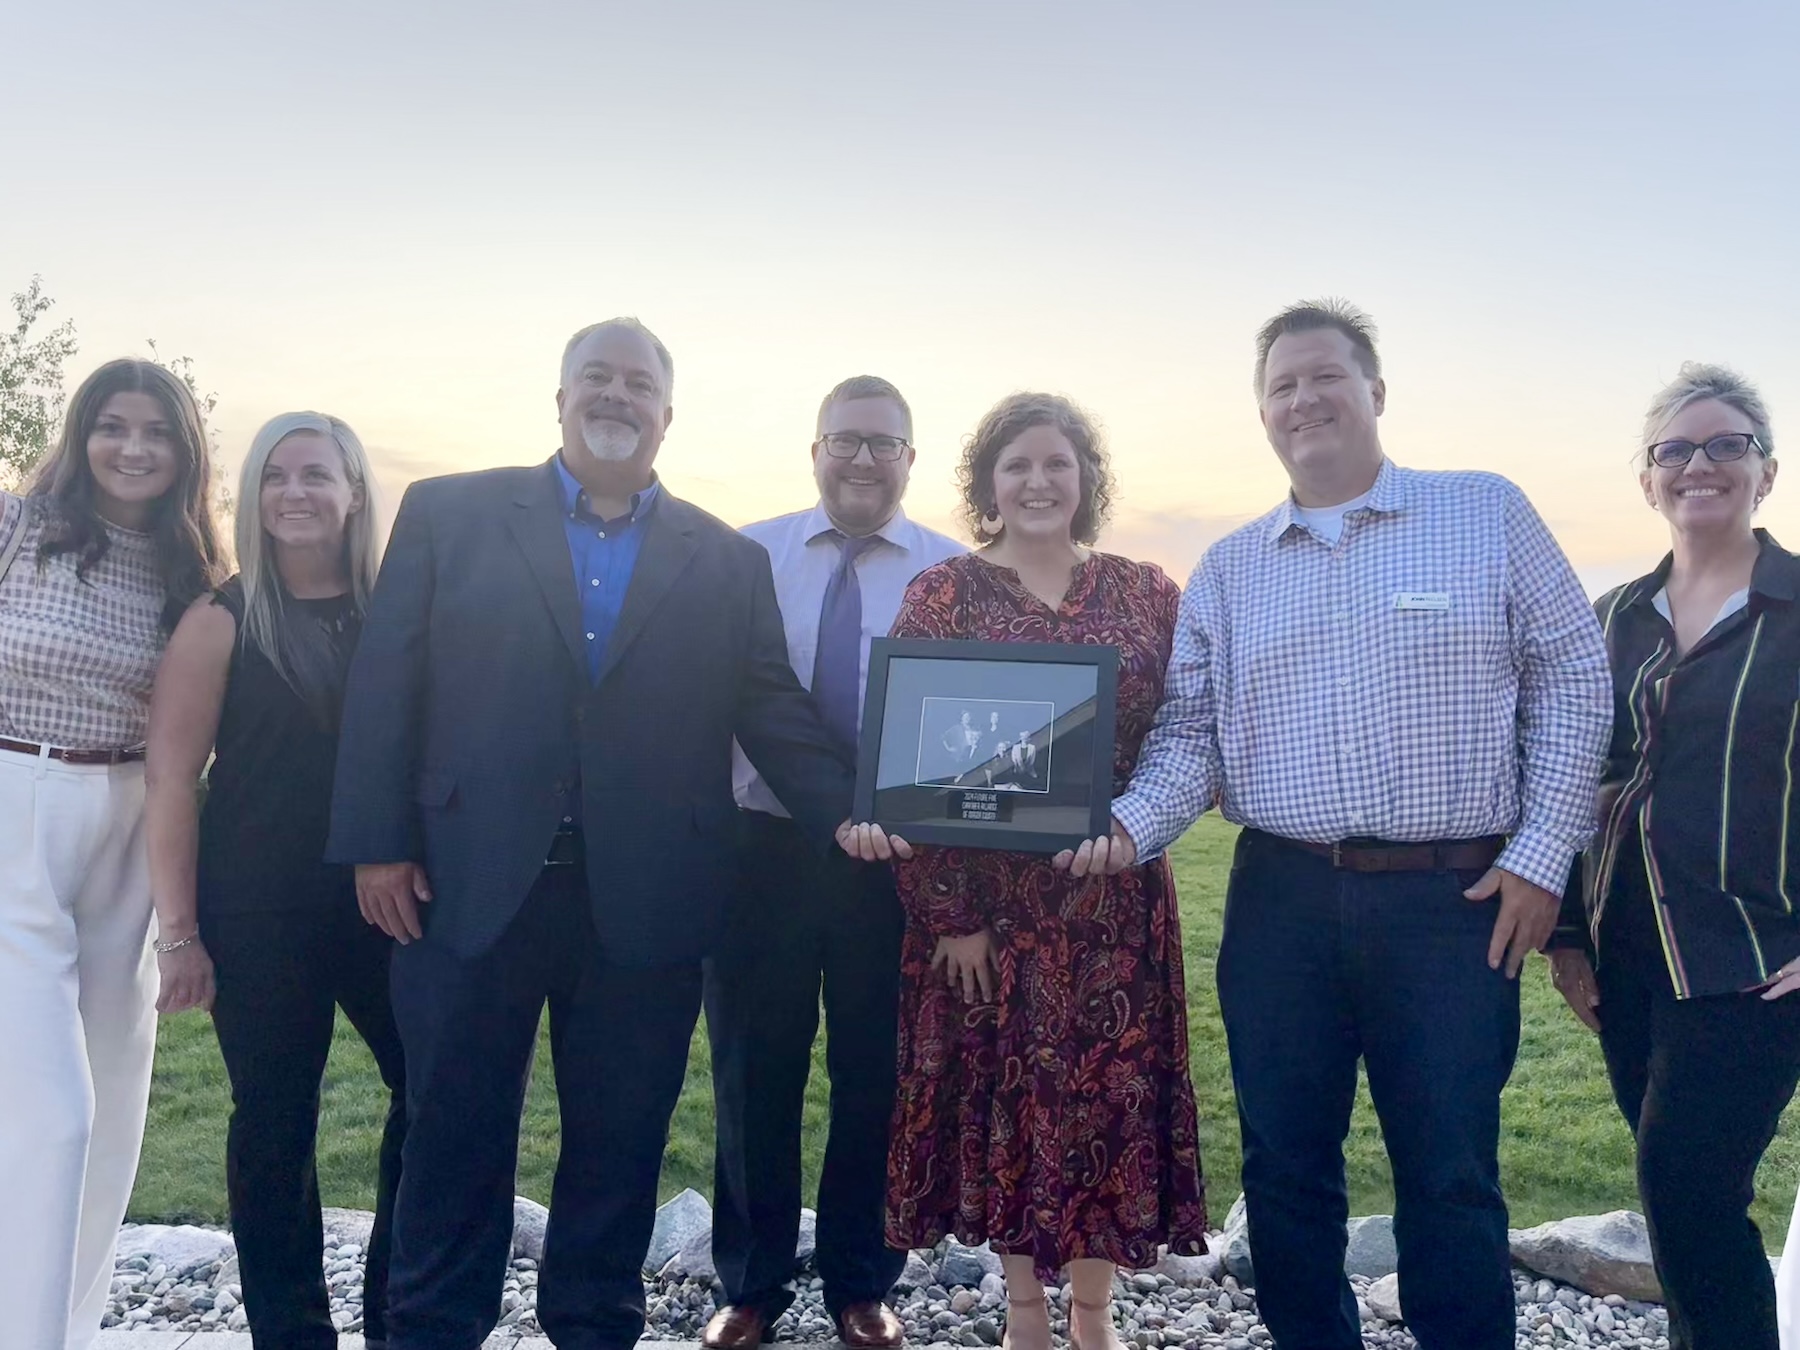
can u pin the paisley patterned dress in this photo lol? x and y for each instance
(1056, 1122)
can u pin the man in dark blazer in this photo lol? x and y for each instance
(534, 782)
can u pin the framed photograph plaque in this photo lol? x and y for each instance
(1003, 745)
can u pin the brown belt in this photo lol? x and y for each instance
(1381, 855)
(73, 756)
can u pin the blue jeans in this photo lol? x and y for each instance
(1319, 968)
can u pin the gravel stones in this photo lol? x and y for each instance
(1153, 1311)
(1182, 1304)
(174, 1247)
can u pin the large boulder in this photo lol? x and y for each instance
(1599, 1254)
(808, 1243)
(1371, 1250)
(1233, 1245)
(966, 1265)
(693, 1262)
(1383, 1298)
(177, 1246)
(1189, 1271)
(677, 1221)
(916, 1275)
(530, 1219)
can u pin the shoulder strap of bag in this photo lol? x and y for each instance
(11, 550)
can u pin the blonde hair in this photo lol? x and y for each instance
(299, 660)
(1700, 382)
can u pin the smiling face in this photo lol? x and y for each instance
(614, 403)
(1037, 484)
(306, 497)
(1319, 408)
(1701, 497)
(134, 457)
(862, 493)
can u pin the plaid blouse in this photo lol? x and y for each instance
(77, 657)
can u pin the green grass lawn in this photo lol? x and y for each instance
(1564, 1151)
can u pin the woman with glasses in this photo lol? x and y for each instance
(1688, 952)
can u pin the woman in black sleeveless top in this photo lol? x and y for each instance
(254, 676)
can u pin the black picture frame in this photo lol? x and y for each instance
(1027, 764)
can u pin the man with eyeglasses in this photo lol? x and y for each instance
(803, 924)
(1394, 683)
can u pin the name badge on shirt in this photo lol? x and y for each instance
(1432, 600)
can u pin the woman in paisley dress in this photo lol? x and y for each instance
(1044, 1103)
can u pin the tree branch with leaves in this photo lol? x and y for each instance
(31, 382)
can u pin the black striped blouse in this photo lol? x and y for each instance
(1698, 789)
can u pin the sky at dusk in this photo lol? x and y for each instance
(398, 212)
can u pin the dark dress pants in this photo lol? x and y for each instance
(1702, 1082)
(1318, 968)
(619, 1043)
(281, 976)
(803, 923)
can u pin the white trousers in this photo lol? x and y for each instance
(77, 1034)
(1787, 1285)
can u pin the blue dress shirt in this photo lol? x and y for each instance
(604, 554)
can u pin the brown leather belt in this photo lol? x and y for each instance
(136, 752)
(1382, 855)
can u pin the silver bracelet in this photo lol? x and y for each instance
(164, 948)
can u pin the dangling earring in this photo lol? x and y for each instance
(991, 524)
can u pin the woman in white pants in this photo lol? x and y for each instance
(111, 541)
(1787, 1285)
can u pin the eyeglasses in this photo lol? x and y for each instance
(847, 445)
(1720, 450)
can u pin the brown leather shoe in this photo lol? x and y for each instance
(735, 1328)
(870, 1326)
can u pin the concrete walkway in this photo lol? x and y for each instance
(123, 1340)
(118, 1339)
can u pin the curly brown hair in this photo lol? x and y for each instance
(1003, 424)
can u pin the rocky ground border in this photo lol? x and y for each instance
(1582, 1282)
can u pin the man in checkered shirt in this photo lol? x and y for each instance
(1394, 683)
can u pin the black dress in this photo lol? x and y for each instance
(289, 947)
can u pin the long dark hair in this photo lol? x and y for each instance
(189, 557)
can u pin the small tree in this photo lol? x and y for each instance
(31, 382)
(32, 398)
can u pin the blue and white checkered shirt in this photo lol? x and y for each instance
(1436, 674)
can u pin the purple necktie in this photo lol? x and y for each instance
(837, 664)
